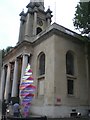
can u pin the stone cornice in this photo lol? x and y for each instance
(58, 30)
(53, 29)
(17, 48)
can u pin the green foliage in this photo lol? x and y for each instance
(8, 48)
(5, 51)
(82, 17)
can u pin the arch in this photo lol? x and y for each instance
(41, 63)
(38, 30)
(70, 63)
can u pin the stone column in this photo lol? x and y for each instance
(20, 32)
(48, 21)
(35, 21)
(28, 27)
(22, 26)
(2, 83)
(7, 89)
(15, 80)
(24, 64)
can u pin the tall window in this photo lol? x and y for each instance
(41, 64)
(70, 71)
(41, 72)
(70, 63)
(70, 87)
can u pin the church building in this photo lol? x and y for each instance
(60, 60)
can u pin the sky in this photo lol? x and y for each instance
(63, 14)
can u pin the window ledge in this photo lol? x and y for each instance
(71, 76)
(41, 77)
(70, 95)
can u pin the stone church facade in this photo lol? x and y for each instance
(60, 61)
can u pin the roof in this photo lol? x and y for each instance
(52, 29)
(60, 29)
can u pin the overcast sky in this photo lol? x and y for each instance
(63, 13)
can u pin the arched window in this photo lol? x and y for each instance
(41, 72)
(41, 63)
(39, 30)
(70, 63)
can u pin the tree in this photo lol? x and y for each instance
(81, 20)
(5, 51)
(8, 48)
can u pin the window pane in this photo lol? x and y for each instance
(70, 86)
(41, 87)
(69, 63)
(42, 64)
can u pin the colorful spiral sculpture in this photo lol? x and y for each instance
(27, 90)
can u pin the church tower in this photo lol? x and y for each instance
(34, 21)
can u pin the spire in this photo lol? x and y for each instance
(35, 20)
(49, 15)
(22, 14)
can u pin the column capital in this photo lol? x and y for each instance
(17, 58)
(3, 66)
(25, 54)
(12, 62)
